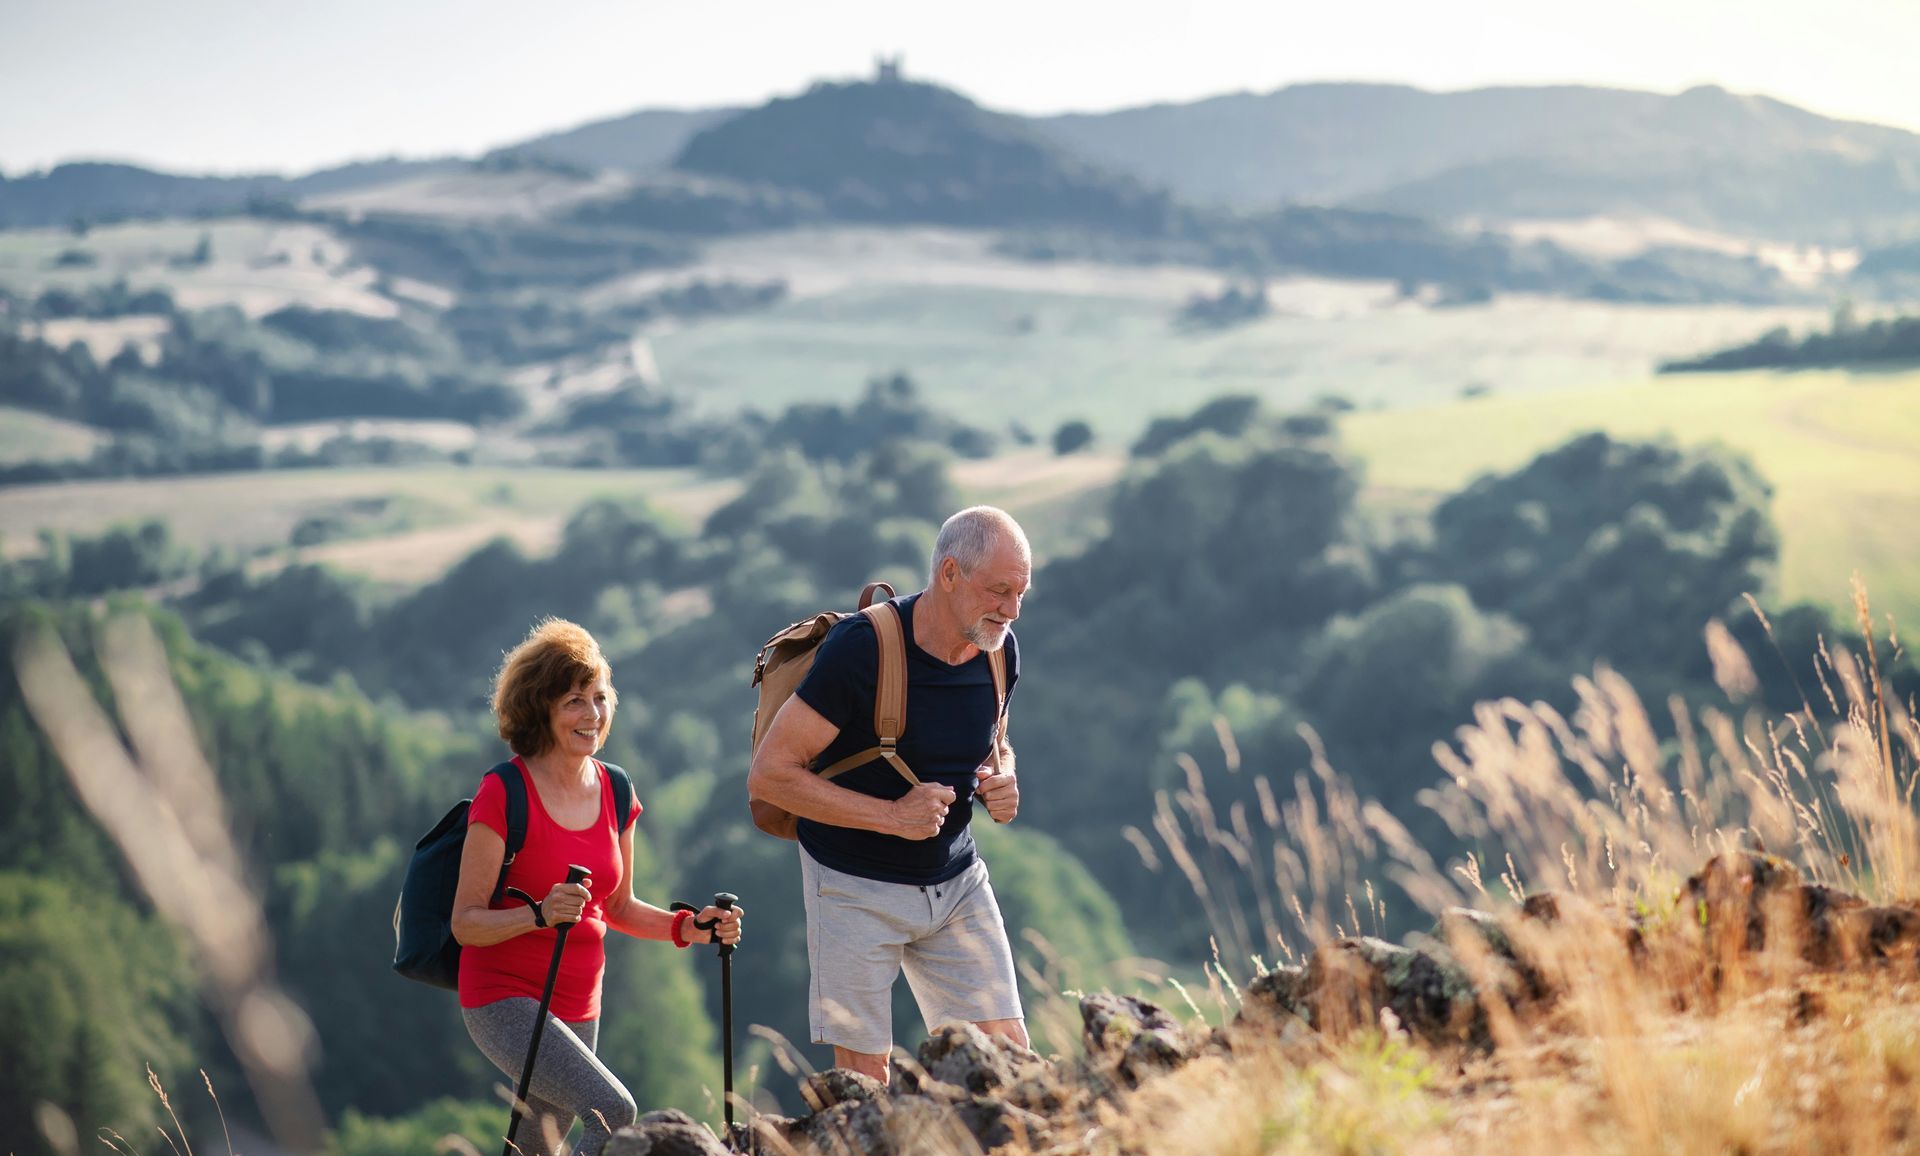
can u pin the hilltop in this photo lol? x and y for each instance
(904, 151)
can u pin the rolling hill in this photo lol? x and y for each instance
(1745, 164)
(900, 151)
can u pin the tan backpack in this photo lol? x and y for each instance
(785, 660)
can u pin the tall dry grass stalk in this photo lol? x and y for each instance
(1689, 1015)
(160, 803)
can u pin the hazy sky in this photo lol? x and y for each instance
(251, 85)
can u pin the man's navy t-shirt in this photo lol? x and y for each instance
(949, 733)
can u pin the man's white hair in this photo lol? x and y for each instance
(970, 537)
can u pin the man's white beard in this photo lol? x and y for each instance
(989, 635)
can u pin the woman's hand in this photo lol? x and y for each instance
(566, 903)
(727, 927)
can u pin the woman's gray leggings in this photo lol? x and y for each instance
(568, 1079)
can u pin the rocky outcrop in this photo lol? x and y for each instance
(966, 1091)
(1745, 902)
(1135, 1038)
(664, 1133)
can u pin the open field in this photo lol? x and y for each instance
(1040, 344)
(260, 266)
(528, 194)
(449, 511)
(1842, 451)
(26, 436)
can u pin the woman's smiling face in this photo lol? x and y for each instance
(582, 718)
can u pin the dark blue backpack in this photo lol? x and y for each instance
(423, 944)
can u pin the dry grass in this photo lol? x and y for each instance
(1672, 1029)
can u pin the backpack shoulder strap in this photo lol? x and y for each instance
(889, 697)
(622, 794)
(997, 663)
(890, 685)
(509, 775)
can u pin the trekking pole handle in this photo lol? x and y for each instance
(575, 873)
(725, 901)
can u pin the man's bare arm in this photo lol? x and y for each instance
(782, 775)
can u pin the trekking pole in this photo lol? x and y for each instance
(574, 875)
(725, 902)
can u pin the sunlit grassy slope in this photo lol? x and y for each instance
(26, 436)
(415, 522)
(1842, 451)
(1044, 354)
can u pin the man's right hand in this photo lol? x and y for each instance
(921, 812)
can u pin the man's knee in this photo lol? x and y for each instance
(866, 1063)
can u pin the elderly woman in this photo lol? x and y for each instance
(554, 700)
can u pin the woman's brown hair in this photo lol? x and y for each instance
(557, 656)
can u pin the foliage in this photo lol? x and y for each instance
(524, 326)
(479, 1122)
(1231, 306)
(117, 299)
(1229, 416)
(118, 558)
(1888, 340)
(500, 255)
(92, 993)
(891, 411)
(1072, 437)
(338, 331)
(1599, 546)
(704, 206)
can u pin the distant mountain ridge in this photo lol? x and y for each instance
(634, 142)
(1747, 165)
(99, 190)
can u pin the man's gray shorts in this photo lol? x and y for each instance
(861, 933)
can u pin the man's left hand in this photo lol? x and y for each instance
(999, 792)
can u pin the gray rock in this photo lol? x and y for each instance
(822, 1090)
(1272, 993)
(902, 1126)
(993, 1123)
(964, 1057)
(1349, 981)
(768, 1134)
(666, 1133)
(1136, 1036)
(1519, 981)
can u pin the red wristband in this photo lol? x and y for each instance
(680, 918)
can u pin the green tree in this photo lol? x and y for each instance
(482, 1123)
(92, 993)
(1072, 437)
(1612, 550)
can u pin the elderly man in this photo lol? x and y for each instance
(890, 874)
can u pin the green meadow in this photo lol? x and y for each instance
(1841, 449)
